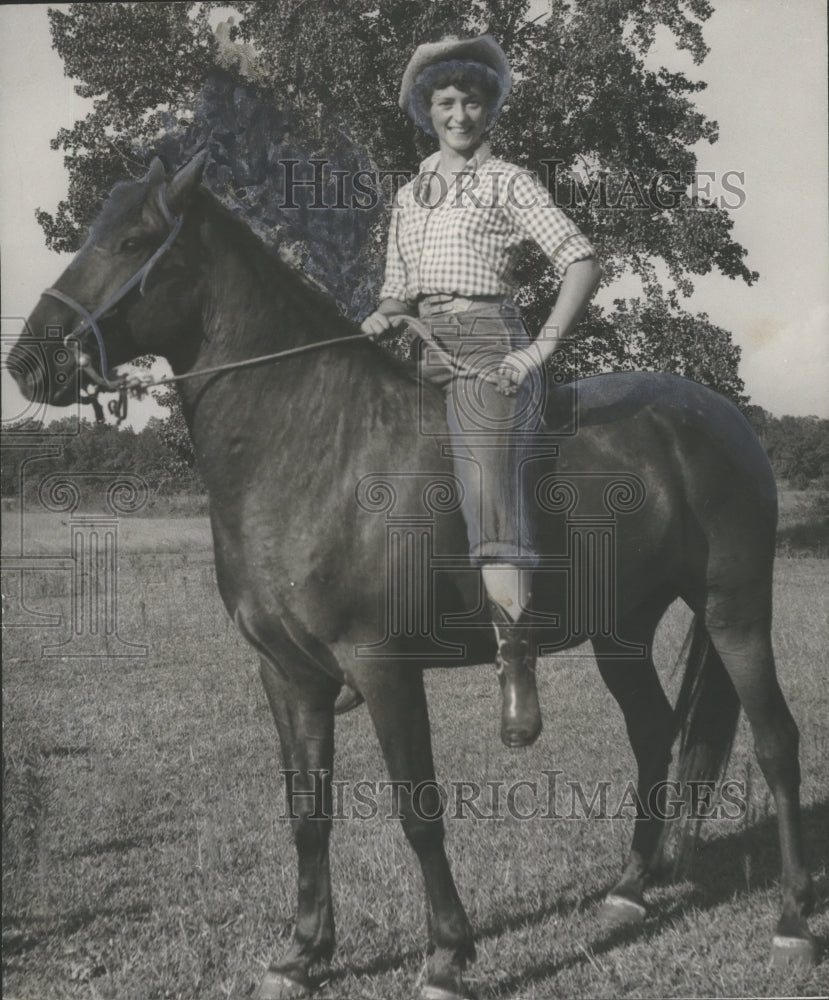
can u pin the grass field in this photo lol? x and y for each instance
(144, 858)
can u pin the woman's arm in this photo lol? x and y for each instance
(581, 279)
(393, 292)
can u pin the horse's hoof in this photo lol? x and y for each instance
(619, 911)
(793, 951)
(278, 986)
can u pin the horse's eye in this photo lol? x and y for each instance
(131, 244)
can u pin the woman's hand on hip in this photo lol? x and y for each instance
(514, 368)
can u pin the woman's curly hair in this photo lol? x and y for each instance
(460, 73)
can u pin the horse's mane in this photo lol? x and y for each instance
(314, 298)
(310, 299)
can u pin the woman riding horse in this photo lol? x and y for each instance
(297, 557)
(455, 234)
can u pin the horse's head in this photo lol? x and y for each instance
(128, 291)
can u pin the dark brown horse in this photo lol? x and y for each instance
(341, 551)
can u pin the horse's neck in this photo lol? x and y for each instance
(274, 411)
(251, 303)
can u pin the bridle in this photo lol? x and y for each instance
(122, 385)
(89, 320)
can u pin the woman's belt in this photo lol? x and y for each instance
(439, 302)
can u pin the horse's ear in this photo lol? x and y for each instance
(156, 174)
(185, 181)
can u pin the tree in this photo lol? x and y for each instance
(799, 449)
(85, 447)
(113, 50)
(650, 335)
(613, 138)
(173, 434)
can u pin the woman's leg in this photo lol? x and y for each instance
(492, 438)
(509, 586)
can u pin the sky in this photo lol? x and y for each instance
(766, 75)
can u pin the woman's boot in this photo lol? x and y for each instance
(515, 667)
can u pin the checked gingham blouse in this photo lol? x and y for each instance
(467, 244)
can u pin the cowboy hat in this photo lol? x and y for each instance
(482, 48)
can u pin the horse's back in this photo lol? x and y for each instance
(710, 506)
(674, 465)
(637, 416)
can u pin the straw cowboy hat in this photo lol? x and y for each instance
(482, 48)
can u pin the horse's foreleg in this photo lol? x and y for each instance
(397, 703)
(747, 655)
(304, 716)
(635, 685)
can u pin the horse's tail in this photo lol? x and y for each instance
(705, 722)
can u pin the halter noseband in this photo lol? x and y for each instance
(89, 320)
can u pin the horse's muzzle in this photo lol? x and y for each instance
(46, 370)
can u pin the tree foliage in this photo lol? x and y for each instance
(613, 136)
(134, 61)
(581, 84)
(797, 446)
(94, 448)
(648, 335)
(173, 434)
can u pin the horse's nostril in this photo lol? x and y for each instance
(30, 385)
(27, 366)
(18, 366)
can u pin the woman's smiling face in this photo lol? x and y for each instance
(459, 118)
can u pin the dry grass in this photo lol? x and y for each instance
(143, 857)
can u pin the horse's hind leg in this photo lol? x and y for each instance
(746, 652)
(634, 683)
(397, 703)
(303, 709)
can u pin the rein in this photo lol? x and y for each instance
(138, 387)
(123, 384)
